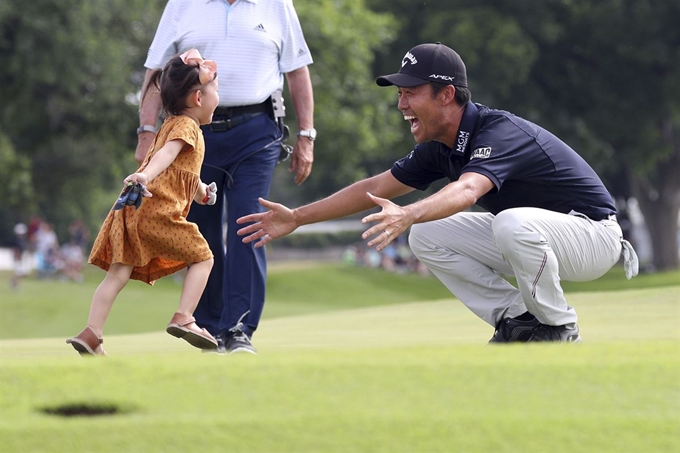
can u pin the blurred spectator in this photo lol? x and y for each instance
(73, 258)
(406, 260)
(20, 254)
(350, 255)
(79, 234)
(372, 258)
(33, 227)
(47, 251)
(389, 258)
(396, 257)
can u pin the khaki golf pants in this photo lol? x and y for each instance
(470, 252)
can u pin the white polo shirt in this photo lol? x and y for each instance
(254, 43)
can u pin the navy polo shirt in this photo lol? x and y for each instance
(529, 166)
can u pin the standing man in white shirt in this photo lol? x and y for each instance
(255, 44)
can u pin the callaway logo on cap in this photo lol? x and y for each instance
(428, 63)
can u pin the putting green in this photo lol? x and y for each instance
(402, 378)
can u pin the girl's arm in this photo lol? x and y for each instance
(206, 194)
(159, 162)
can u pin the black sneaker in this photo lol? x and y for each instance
(515, 330)
(236, 340)
(233, 340)
(560, 334)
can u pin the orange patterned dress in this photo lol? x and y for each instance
(157, 239)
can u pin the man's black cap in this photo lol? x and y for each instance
(428, 63)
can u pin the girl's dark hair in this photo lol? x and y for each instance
(462, 95)
(174, 82)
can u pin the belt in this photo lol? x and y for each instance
(229, 123)
(611, 217)
(231, 112)
(226, 118)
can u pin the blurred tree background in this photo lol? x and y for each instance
(604, 75)
(68, 77)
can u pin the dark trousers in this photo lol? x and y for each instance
(245, 167)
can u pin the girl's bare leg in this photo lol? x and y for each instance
(116, 278)
(194, 284)
(183, 325)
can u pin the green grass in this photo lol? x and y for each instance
(350, 360)
(47, 308)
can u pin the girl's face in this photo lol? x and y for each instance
(210, 98)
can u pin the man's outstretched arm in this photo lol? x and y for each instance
(279, 220)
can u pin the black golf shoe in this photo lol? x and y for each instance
(561, 334)
(515, 330)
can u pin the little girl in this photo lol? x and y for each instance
(156, 240)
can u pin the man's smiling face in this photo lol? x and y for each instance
(422, 110)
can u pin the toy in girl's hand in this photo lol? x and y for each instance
(130, 196)
(211, 193)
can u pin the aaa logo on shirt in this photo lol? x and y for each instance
(481, 153)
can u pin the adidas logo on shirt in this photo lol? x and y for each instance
(260, 27)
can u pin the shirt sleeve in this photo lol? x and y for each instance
(163, 47)
(420, 168)
(185, 130)
(505, 150)
(294, 51)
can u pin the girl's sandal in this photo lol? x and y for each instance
(179, 327)
(87, 343)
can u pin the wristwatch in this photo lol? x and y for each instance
(309, 133)
(146, 128)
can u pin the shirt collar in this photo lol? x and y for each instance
(467, 124)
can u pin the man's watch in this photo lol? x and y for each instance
(146, 128)
(309, 133)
